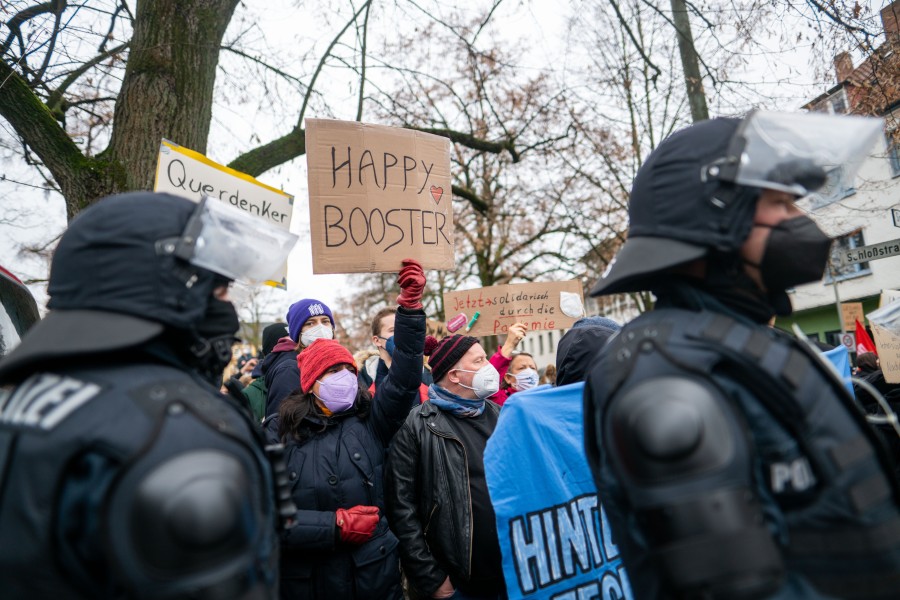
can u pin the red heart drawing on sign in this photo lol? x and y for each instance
(437, 193)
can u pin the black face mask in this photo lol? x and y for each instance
(796, 252)
(211, 350)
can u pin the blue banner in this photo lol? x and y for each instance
(554, 535)
(840, 358)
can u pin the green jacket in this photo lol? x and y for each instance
(256, 396)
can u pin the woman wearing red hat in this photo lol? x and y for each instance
(335, 438)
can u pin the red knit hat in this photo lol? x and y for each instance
(318, 357)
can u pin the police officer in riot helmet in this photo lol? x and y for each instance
(123, 471)
(731, 463)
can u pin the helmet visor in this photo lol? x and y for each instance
(801, 153)
(234, 244)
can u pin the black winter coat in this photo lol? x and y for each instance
(428, 502)
(341, 467)
(282, 377)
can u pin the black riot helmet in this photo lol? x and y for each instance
(125, 271)
(676, 213)
(696, 193)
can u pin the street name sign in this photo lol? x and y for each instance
(873, 252)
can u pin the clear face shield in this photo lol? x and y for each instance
(225, 240)
(798, 153)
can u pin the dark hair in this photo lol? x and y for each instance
(295, 410)
(867, 362)
(376, 320)
(550, 374)
(503, 384)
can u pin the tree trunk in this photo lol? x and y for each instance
(689, 61)
(167, 90)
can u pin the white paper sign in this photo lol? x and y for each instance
(183, 172)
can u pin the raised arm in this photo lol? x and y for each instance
(400, 389)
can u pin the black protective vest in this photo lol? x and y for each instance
(841, 518)
(80, 458)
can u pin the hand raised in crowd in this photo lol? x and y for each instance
(412, 283)
(514, 335)
(249, 366)
(445, 591)
(356, 524)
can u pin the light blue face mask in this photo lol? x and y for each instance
(526, 379)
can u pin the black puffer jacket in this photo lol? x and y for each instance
(341, 466)
(428, 504)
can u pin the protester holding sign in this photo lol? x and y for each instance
(517, 372)
(336, 438)
(436, 495)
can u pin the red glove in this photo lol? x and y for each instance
(412, 284)
(356, 524)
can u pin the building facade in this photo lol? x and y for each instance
(868, 211)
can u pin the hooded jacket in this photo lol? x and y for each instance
(281, 373)
(577, 349)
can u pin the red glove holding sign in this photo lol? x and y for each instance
(412, 284)
(356, 524)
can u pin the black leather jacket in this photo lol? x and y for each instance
(427, 499)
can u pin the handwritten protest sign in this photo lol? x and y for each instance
(377, 195)
(888, 345)
(850, 313)
(545, 305)
(191, 175)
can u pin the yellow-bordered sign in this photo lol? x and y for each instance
(189, 174)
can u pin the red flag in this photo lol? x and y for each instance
(863, 342)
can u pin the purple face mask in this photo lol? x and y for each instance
(338, 391)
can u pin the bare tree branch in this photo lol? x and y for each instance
(362, 72)
(23, 16)
(471, 141)
(55, 101)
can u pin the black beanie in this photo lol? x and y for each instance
(271, 335)
(447, 353)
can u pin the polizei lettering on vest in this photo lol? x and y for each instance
(44, 400)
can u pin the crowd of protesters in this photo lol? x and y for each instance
(726, 454)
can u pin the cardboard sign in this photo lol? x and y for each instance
(191, 175)
(547, 305)
(850, 312)
(888, 344)
(377, 195)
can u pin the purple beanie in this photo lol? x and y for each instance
(301, 311)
